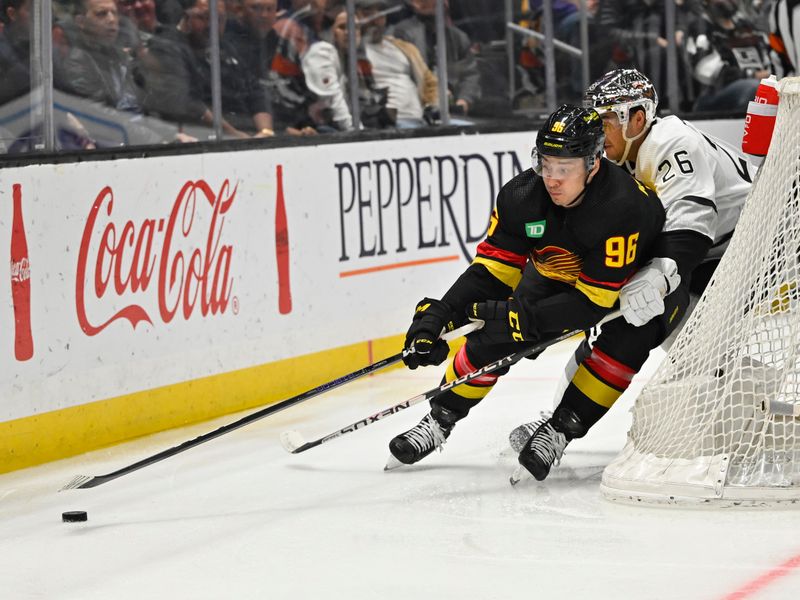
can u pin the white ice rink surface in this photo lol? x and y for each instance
(238, 517)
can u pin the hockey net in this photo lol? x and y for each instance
(719, 422)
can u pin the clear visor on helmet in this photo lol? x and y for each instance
(620, 110)
(623, 110)
(560, 167)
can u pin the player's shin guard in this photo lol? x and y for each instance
(599, 381)
(581, 353)
(596, 384)
(462, 398)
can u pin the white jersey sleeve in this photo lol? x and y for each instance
(702, 181)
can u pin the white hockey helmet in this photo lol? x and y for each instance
(621, 90)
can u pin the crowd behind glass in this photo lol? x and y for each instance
(85, 74)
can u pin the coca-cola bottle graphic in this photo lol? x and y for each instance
(20, 281)
(282, 248)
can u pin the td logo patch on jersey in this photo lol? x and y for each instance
(535, 229)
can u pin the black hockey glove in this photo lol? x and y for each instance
(501, 322)
(431, 319)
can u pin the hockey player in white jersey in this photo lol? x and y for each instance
(702, 182)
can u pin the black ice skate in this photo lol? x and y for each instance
(422, 439)
(522, 433)
(546, 446)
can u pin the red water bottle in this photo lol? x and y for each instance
(760, 120)
(282, 248)
(20, 282)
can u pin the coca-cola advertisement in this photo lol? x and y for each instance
(161, 267)
(20, 281)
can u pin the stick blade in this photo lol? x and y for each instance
(77, 482)
(291, 441)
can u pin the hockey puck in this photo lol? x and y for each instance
(74, 516)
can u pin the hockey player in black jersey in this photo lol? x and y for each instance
(585, 224)
(703, 183)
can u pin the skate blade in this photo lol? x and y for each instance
(518, 475)
(392, 463)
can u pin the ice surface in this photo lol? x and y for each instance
(239, 517)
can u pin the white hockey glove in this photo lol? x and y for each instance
(642, 298)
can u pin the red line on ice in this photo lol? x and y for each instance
(762, 581)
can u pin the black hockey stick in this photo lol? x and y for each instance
(293, 442)
(88, 481)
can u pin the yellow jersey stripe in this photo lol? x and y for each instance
(466, 390)
(600, 296)
(511, 276)
(596, 390)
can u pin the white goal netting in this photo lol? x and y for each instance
(719, 422)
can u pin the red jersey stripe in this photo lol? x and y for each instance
(463, 366)
(612, 371)
(613, 285)
(490, 251)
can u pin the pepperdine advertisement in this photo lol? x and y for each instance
(135, 274)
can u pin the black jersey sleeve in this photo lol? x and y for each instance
(564, 309)
(687, 248)
(499, 260)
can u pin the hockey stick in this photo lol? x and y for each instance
(293, 442)
(87, 481)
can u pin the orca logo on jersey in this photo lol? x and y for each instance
(535, 229)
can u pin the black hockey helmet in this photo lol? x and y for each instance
(570, 132)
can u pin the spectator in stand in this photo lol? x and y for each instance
(784, 36)
(326, 73)
(463, 77)
(169, 12)
(562, 11)
(731, 58)
(179, 79)
(96, 67)
(142, 14)
(635, 37)
(66, 32)
(531, 67)
(570, 32)
(253, 35)
(15, 41)
(233, 8)
(291, 98)
(398, 66)
(15, 64)
(479, 19)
